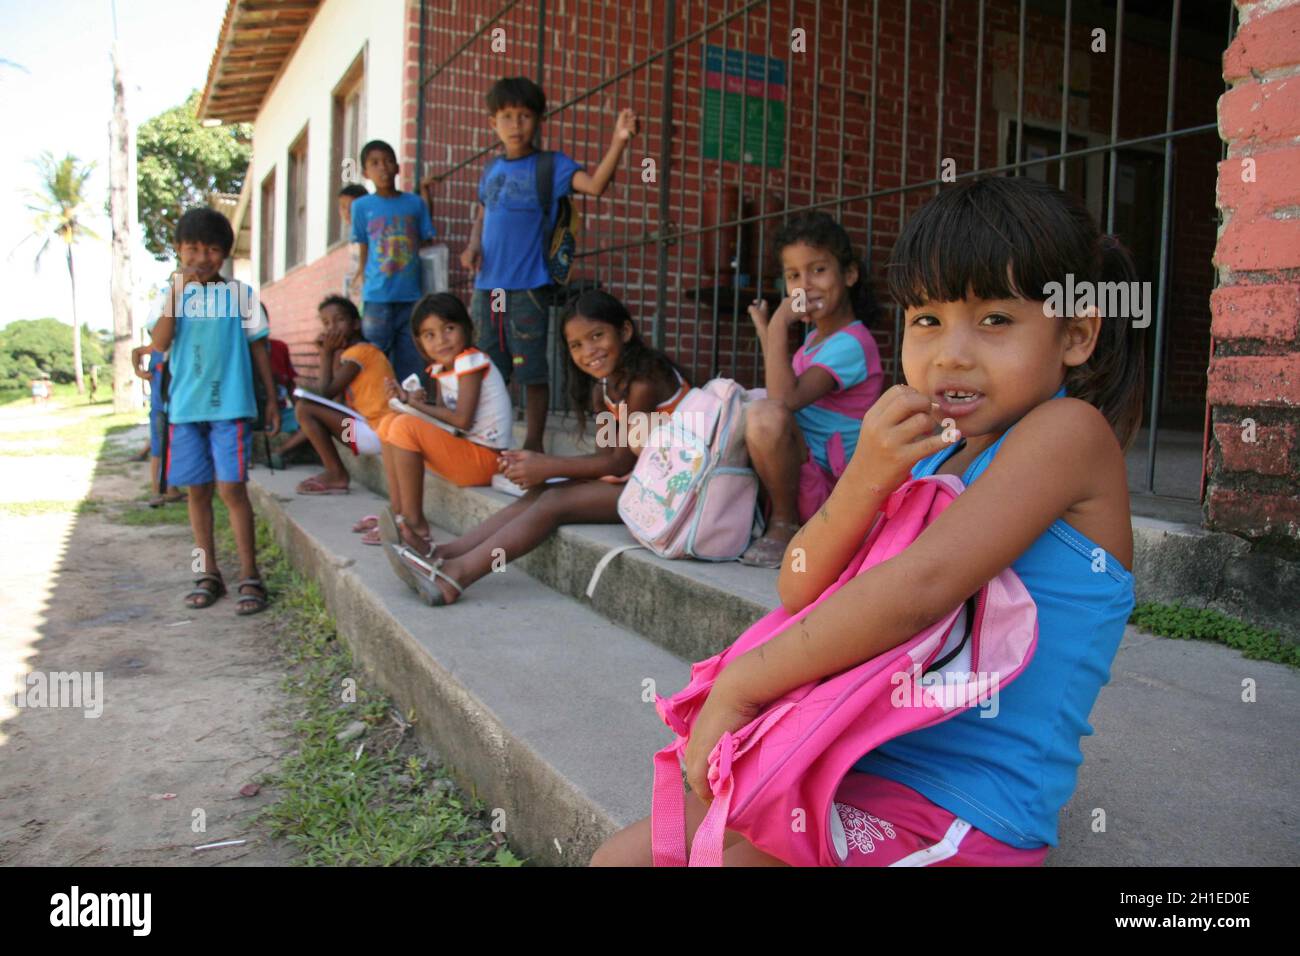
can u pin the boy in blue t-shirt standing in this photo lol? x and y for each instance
(390, 227)
(506, 246)
(211, 329)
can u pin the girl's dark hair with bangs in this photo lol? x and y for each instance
(638, 360)
(821, 231)
(1008, 238)
(446, 307)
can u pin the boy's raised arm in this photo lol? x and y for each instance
(594, 185)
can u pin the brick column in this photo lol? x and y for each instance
(410, 95)
(1254, 375)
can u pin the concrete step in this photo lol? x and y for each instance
(692, 608)
(548, 723)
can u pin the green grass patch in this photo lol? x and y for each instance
(1202, 624)
(375, 800)
(142, 516)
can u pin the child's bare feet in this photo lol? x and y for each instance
(768, 550)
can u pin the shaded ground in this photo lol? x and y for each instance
(190, 698)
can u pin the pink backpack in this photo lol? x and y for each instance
(692, 492)
(774, 780)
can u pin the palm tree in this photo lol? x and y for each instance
(61, 211)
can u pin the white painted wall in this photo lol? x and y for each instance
(304, 96)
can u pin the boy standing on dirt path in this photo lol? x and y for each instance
(213, 328)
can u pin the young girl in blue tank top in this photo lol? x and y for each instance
(1032, 402)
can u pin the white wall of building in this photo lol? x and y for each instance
(304, 96)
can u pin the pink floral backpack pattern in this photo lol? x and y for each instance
(692, 492)
(774, 780)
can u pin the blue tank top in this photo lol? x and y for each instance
(1010, 775)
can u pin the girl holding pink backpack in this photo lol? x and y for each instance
(611, 370)
(1022, 404)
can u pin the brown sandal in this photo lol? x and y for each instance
(257, 601)
(207, 588)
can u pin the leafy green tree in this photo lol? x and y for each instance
(179, 162)
(31, 347)
(60, 212)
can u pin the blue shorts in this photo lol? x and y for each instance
(198, 450)
(515, 340)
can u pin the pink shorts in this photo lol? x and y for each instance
(879, 822)
(815, 486)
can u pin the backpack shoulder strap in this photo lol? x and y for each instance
(545, 183)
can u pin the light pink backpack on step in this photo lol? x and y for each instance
(774, 780)
(692, 492)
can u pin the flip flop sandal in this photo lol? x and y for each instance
(416, 543)
(314, 486)
(206, 596)
(372, 537)
(400, 533)
(258, 601)
(393, 547)
(367, 523)
(428, 586)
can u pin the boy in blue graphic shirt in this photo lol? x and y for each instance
(391, 227)
(211, 330)
(506, 243)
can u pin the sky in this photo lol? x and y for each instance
(57, 95)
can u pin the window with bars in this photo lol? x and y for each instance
(348, 130)
(266, 230)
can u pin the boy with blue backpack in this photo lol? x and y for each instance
(522, 206)
(390, 227)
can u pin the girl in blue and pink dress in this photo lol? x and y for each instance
(802, 435)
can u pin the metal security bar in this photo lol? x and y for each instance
(753, 111)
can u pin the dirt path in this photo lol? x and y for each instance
(189, 698)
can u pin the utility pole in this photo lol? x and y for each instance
(121, 203)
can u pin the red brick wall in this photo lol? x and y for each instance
(588, 43)
(291, 303)
(1253, 380)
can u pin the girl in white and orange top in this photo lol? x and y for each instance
(472, 408)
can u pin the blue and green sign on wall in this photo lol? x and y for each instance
(750, 86)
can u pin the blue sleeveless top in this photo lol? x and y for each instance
(1010, 775)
